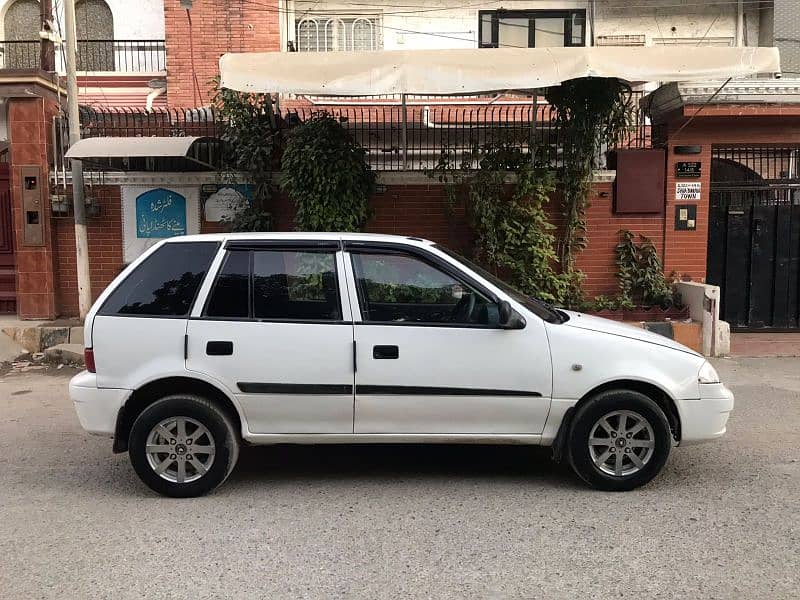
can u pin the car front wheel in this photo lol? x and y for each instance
(619, 440)
(183, 446)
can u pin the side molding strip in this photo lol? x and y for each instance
(407, 390)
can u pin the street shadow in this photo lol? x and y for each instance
(381, 462)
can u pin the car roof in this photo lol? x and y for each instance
(302, 235)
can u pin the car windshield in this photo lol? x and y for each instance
(538, 307)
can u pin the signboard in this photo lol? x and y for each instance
(146, 220)
(687, 191)
(160, 213)
(225, 200)
(687, 169)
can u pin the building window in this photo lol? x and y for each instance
(531, 28)
(335, 33)
(21, 28)
(95, 25)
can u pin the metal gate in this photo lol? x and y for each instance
(754, 236)
(8, 294)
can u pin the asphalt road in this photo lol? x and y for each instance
(400, 522)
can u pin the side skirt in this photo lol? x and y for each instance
(392, 438)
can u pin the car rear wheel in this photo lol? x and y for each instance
(183, 446)
(619, 440)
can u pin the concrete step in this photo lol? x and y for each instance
(65, 353)
(37, 336)
(10, 350)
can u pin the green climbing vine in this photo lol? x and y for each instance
(591, 113)
(326, 175)
(250, 134)
(505, 199)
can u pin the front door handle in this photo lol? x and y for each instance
(385, 352)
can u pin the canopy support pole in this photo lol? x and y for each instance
(404, 132)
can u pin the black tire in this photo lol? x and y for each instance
(584, 422)
(220, 426)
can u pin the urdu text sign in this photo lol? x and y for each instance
(160, 213)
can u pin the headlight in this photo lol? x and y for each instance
(707, 374)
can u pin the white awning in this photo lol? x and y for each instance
(481, 70)
(133, 147)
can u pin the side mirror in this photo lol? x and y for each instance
(509, 318)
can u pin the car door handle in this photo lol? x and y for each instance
(385, 352)
(217, 348)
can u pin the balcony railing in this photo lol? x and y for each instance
(120, 56)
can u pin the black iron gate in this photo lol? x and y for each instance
(754, 236)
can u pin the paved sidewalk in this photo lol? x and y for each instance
(765, 344)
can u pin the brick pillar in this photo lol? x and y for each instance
(685, 251)
(29, 127)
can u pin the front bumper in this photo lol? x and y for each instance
(97, 408)
(705, 418)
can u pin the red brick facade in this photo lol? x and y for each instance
(28, 120)
(685, 251)
(417, 210)
(196, 39)
(105, 250)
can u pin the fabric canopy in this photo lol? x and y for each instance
(474, 70)
(130, 147)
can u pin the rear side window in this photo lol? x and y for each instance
(165, 284)
(293, 285)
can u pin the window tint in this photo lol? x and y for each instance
(230, 295)
(401, 288)
(295, 285)
(165, 284)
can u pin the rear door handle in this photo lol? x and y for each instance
(385, 352)
(217, 348)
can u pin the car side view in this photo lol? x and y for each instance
(209, 342)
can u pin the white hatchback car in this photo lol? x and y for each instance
(207, 342)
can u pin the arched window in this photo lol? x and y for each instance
(95, 25)
(21, 29)
(337, 34)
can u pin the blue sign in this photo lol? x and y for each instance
(160, 213)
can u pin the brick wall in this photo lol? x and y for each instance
(414, 210)
(217, 27)
(105, 250)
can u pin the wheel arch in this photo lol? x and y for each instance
(652, 391)
(154, 390)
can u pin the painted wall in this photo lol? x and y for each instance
(447, 24)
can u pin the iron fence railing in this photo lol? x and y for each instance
(20, 55)
(121, 56)
(396, 137)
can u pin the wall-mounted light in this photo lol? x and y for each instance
(187, 4)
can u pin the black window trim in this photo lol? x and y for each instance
(389, 248)
(251, 246)
(566, 14)
(188, 313)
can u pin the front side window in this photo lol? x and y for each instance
(398, 288)
(165, 284)
(276, 285)
(531, 28)
(338, 33)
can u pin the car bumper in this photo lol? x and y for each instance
(97, 408)
(705, 418)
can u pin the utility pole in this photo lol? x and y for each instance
(73, 115)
